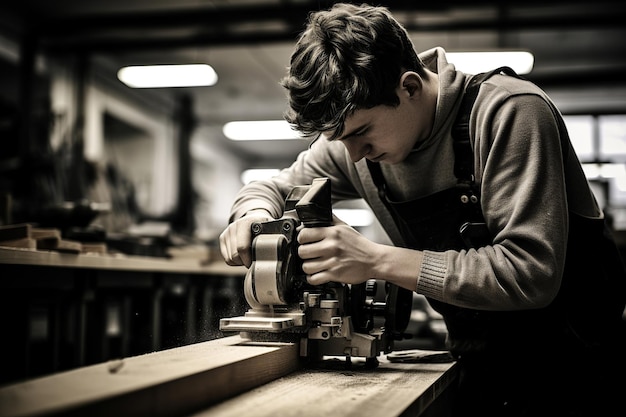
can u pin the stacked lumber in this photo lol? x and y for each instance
(28, 236)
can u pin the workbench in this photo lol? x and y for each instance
(61, 311)
(232, 376)
(392, 389)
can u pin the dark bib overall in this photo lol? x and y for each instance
(505, 355)
(452, 219)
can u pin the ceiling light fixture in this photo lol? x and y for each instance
(160, 76)
(256, 174)
(260, 130)
(480, 61)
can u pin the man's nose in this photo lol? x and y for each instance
(357, 150)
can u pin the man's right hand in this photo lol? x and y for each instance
(236, 240)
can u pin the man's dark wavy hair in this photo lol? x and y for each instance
(348, 57)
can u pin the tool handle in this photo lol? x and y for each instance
(315, 208)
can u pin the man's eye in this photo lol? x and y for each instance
(359, 133)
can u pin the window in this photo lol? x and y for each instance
(600, 143)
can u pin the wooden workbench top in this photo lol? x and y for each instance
(230, 377)
(392, 389)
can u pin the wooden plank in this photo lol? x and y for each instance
(391, 390)
(94, 247)
(166, 383)
(45, 233)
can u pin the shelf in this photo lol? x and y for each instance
(22, 256)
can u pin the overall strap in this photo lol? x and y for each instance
(464, 155)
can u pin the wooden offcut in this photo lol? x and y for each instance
(11, 232)
(45, 233)
(60, 245)
(17, 236)
(166, 383)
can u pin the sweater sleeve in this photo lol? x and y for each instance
(524, 201)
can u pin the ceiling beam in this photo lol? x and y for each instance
(253, 24)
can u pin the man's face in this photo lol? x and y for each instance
(387, 134)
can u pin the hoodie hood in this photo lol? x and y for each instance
(451, 86)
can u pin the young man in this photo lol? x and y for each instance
(534, 307)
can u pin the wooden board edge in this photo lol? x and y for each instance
(164, 396)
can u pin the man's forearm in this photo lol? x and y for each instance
(399, 266)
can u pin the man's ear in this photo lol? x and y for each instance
(411, 82)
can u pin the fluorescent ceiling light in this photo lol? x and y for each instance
(158, 76)
(256, 174)
(260, 130)
(476, 62)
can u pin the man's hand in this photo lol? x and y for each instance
(337, 253)
(236, 240)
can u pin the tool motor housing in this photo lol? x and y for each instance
(332, 319)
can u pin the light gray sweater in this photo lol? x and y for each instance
(526, 191)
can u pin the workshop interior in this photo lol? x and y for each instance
(113, 191)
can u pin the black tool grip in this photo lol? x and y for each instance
(315, 208)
